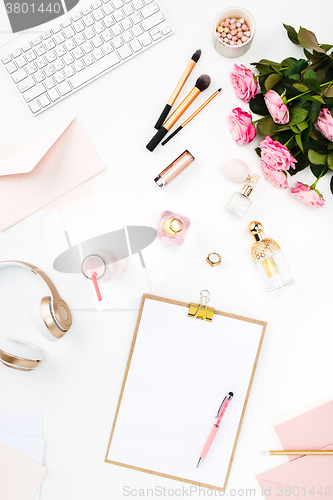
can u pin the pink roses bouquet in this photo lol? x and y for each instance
(296, 105)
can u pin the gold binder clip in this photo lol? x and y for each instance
(201, 311)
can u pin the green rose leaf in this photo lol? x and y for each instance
(271, 80)
(325, 46)
(299, 142)
(258, 151)
(331, 184)
(275, 65)
(300, 87)
(289, 61)
(320, 75)
(297, 67)
(292, 33)
(329, 91)
(307, 54)
(297, 115)
(317, 170)
(330, 161)
(316, 158)
(302, 126)
(313, 98)
(310, 80)
(314, 111)
(267, 127)
(308, 40)
(294, 129)
(258, 105)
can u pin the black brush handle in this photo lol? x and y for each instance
(157, 139)
(162, 117)
(171, 135)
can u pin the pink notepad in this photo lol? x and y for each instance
(20, 477)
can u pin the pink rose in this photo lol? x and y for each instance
(244, 83)
(241, 127)
(277, 108)
(325, 124)
(308, 195)
(275, 155)
(277, 178)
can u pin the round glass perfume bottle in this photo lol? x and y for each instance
(172, 228)
(269, 260)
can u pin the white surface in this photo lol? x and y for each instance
(79, 381)
(179, 374)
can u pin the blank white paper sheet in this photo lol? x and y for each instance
(179, 373)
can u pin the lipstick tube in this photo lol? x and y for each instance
(174, 169)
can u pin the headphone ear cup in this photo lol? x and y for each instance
(40, 323)
(19, 355)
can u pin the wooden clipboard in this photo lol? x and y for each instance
(260, 332)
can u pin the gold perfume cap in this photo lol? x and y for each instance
(256, 229)
(251, 182)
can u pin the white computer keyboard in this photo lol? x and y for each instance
(82, 48)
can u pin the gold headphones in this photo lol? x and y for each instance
(53, 319)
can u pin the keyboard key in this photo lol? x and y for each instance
(26, 47)
(80, 38)
(31, 55)
(64, 88)
(76, 17)
(32, 68)
(49, 70)
(44, 100)
(89, 20)
(69, 71)
(6, 59)
(89, 33)
(118, 15)
(137, 30)
(97, 41)
(117, 4)
(147, 41)
(17, 53)
(39, 76)
(107, 36)
(98, 54)
(127, 36)
(59, 38)
(108, 9)
(70, 45)
(78, 53)
(68, 59)
(117, 42)
(36, 41)
(79, 65)
(88, 59)
(34, 106)
(94, 70)
(107, 47)
(128, 9)
(50, 56)
(98, 15)
(19, 75)
(47, 35)
(60, 77)
(157, 36)
(150, 10)
(59, 65)
(49, 44)
(54, 95)
(26, 84)
(21, 61)
(60, 51)
(126, 24)
(66, 22)
(87, 47)
(50, 83)
(166, 30)
(124, 52)
(69, 32)
(108, 21)
(40, 50)
(138, 4)
(34, 92)
(116, 30)
(97, 4)
(135, 46)
(86, 11)
(79, 26)
(136, 18)
(99, 27)
(152, 21)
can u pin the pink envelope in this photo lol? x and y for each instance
(44, 170)
(308, 477)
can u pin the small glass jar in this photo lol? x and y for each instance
(269, 260)
(172, 228)
(240, 202)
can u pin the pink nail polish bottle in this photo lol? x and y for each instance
(172, 228)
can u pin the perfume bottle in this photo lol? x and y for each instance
(269, 259)
(172, 228)
(240, 202)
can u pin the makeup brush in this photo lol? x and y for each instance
(201, 84)
(191, 117)
(188, 70)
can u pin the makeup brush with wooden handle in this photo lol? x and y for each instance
(188, 70)
(201, 84)
(191, 117)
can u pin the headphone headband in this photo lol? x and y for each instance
(58, 307)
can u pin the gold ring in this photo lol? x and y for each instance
(214, 259)
(180, 225)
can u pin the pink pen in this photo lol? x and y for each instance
(213, 432)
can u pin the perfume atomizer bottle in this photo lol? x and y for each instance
(240, 202)
(103, 265)
(269, 260)
(172, 228)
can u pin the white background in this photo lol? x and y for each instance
(78, 383)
